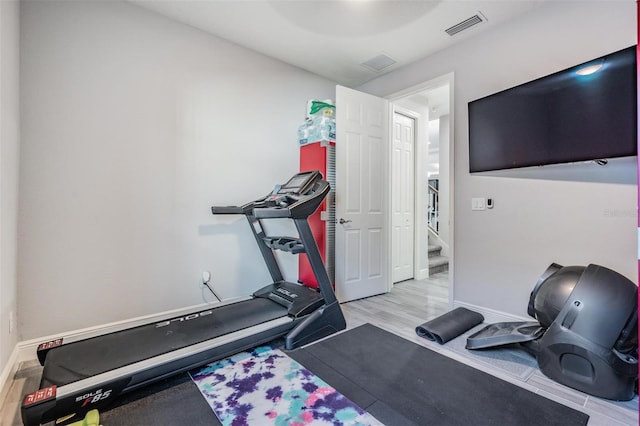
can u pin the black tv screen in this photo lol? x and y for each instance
(561, 118)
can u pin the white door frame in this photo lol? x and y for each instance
(417, 135)
(432, 84)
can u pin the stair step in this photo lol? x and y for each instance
(438, 261)
(438, 264)
(434, 250)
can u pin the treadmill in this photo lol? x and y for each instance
(87, 374)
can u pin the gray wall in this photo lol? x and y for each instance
(577, 214)
(133, 125)
(9, 148)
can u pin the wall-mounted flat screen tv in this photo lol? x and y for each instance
(574, 115)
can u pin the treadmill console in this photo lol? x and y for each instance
(298, 198)
(299, 185)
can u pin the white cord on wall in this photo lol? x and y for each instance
(206, 278)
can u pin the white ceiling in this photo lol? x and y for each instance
(332, 38)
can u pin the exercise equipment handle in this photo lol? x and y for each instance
(230, 209)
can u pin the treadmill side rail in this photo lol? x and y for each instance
(44, 348)
(36, 404)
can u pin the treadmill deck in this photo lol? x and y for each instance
(79, 360)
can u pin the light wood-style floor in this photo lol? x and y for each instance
(409, 304)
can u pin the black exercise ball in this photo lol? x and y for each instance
(553, 292)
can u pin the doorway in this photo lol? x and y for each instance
(363, 249)
(402, 193)
(430, 104)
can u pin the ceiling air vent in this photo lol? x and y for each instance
(378, 63)
(461, 26)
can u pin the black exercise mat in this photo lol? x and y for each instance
(450, 325)
(402, 383)
(170, 402)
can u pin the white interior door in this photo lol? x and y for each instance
(402, 196)
(362, 202)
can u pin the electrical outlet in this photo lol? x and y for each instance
(206, 277)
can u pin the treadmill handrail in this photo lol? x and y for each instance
(245, 209)
(227, 210)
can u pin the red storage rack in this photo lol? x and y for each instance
(320, 155)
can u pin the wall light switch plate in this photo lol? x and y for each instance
(478, 204)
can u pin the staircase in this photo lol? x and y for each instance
(437, 262)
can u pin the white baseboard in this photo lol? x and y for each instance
(423, 274)
(9, 371)
(490, 315)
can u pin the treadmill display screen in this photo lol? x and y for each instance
(296, 183)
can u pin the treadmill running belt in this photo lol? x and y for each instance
(75, 361)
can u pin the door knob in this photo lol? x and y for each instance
(342, 221)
